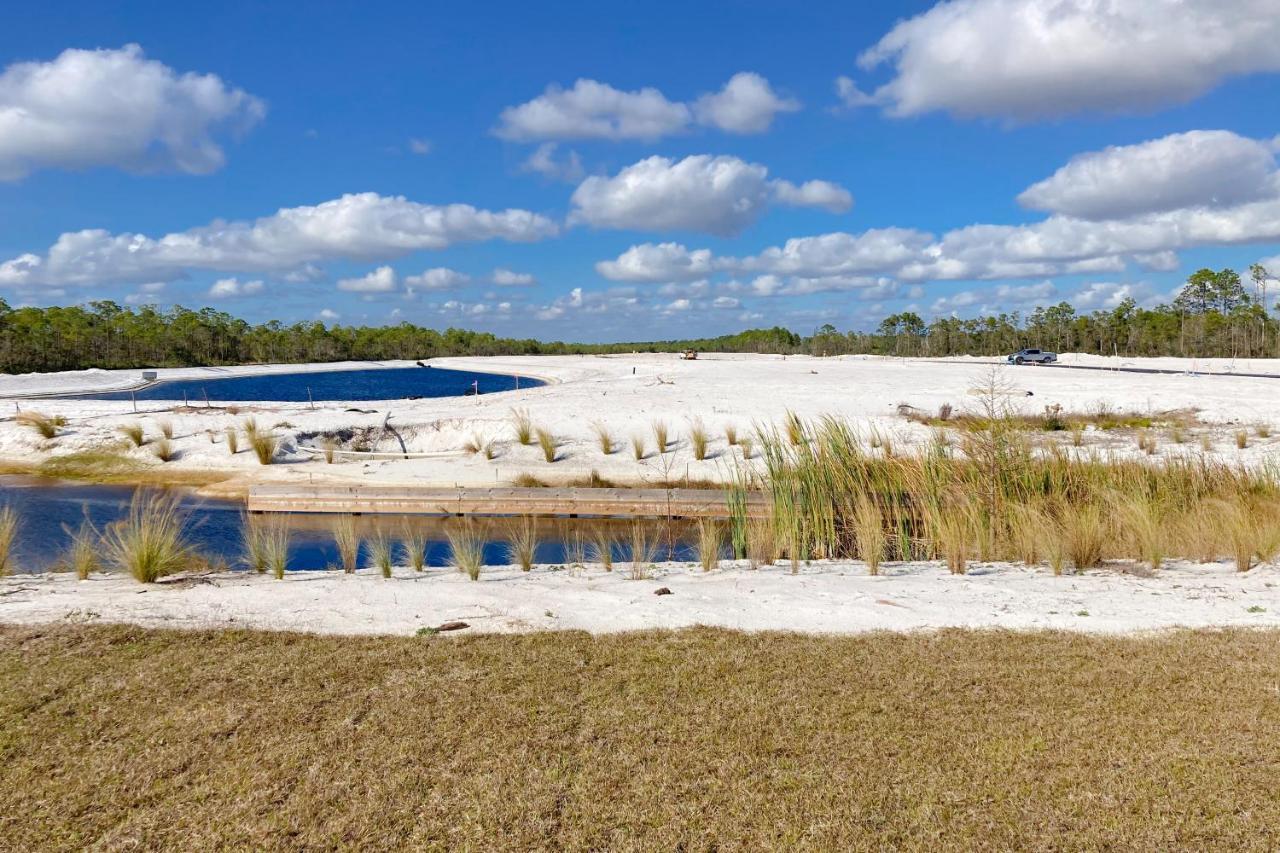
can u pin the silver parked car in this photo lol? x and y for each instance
(1033, 356)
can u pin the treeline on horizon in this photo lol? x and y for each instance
(1213, 315)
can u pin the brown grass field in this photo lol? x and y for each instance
(125, 738)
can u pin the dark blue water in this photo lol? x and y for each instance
(392, 383)
(50, 510)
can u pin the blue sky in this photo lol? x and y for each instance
(634, 171)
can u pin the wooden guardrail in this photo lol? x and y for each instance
(626, 503)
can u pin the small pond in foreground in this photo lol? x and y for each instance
(390, 383)
(49, 510)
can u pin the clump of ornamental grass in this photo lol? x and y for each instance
(166, 428)
(1263, 430)
(575, 547)
(637, 447)
(134, 433)
(83, 554)
(547, 443)
(1085, 534)
(1077, 434)
(1143, 519)
(661, 435)
(604, 438)
(265, 445)
(275, 545)
(163, 449)
(710, 542)
(794, 428)
(762, 542)
(868, 532)
(1206, 443)
(466, 548)
(522, 543)
(380, 553)
(413, 543)
(641, 549)
(953, 531)
(253, 544)
(1242, 439)
(602, 548)
(1177, 434)
(8, 534)
(528, 481)
(329, 445)
(233, 440)
(523, 425)
(347, 540)
(747, 446)
(250, 427)
(731, 434)
(151, 541)
(1027, 525)
(1240, 531)
(698, 439)
(41, 423)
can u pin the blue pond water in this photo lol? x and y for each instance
(393, 383)
(50, 510)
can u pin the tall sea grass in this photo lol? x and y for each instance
(997, 497)
(413, 543)
(522, 543)
(466, 548)
(8, 535)
(347, 540)
(151, 541)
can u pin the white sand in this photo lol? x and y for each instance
(824, 598)
(627, 393)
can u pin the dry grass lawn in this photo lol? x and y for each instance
(120, 737)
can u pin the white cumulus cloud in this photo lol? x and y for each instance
(364, 226)
(381, 280)
(718, 195)
(746, 104)
(594, 110)
(1034, 59)
(1210, 168)
(436, 278)
(224, 288)
(116, 108)
(509, 278)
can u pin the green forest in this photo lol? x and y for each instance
(1215, 314)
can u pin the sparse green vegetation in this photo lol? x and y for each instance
(150, 542)
(8, 534)
(413, 542)
(134, 433)
(265, 445)
(347, 541)
(522, 543)
(548, 445)
(710, 542)
(523, 424)
(466, 548)
(698, 439)
(604, 438)
(380, 553)
(45, 425)
(660, 436)
(163, 449)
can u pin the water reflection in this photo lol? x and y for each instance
(48, 509)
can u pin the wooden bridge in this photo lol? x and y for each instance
(411, 500)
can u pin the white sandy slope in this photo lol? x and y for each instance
(627, 393)
(837, 598)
